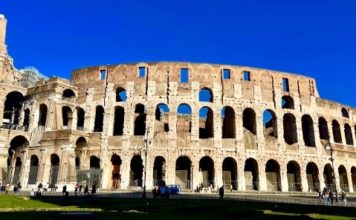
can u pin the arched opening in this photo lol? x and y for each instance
(323, 129)
(270, 124)
(80, 119)
(205, 95)
(119, 121)
(336, 132)
(345, 113)
(249, 121)
(290, 129)
(184, 120)
(26, 119)
(116, 167)
(121, 95)
(293, 175)
(140, 120)
(308, 131)
(287, 102)
(17, 172)
(251, 174)
(183, 172)
(329, 177)
(54, 170)
(12, 109)
(273, 176)
(353, 177)
(206, 169)
(162, 118)
(34, 164)
(79, 145)
(77, 163)
(313, 177)
(206, 123)
(94, 162)
(159, 171)
(66, 116)
(42, 115)
(228, 127)
(136, 171)
(16, 143)
(348, 135)
(229, 168)
(68, 93)
(343, 178)
(99, 119)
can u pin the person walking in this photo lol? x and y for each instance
(221, 192)
(86, 190)
(64, 191)
(343, 198)
(331, 197)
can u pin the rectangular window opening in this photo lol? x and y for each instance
(226, 74)
(102, 74)
(285, 82)
(142, 72)
(184, 75)
(246, 76)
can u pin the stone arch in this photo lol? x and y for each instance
(136, 171)
(162, 118)
(323, 129)
(12, 108)
(99, 118)
(119, 120)
(80, 118)
(116, 171)
(206, 123)
(159, 171)
(206, 95)
(34, 165)
(206, 167)
(54, 171)
(273, 175)
(184, 119)
(17, 171)
(353, 177)
(313, 177)
(229, 169)
(16, 143)
(42, 115)
(228, 123)
(26, 119)
(67, 116)
(94, 162)
(336, 132)
(249, 120)
(329, 177)
(345, 113)
(343, 178)
(290, 129)
(140, 120)
(308, 131)
(270, 123)
(348, 134)
(183, 172)
(121, 95)
(251, 174)
(293, 175)
(287, 102)
(68, 93)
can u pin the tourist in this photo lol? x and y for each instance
(221, 192)
(331, 197)
(76, 189)
(93, 189)
(343, 198)
(86, 190)
(64, 191)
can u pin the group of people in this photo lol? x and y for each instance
(6, 188)
(328, 197)
(78, 189)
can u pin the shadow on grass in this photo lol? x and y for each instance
(114, 208)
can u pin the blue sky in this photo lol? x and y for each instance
(316, 38)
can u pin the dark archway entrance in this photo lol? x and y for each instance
(17, 172)
(273, 176)
(313, 177)
(12, 108)
(206, 167)
(183, 172)
(54, 170)
(251, 174)
(116, 176)
(159, 171)
(343, 179)
(329, 177)
(34, 164)
(136, 171)
(293, 175)
(229, 168)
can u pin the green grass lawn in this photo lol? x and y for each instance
(79, 208)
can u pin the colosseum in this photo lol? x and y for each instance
(139, 125)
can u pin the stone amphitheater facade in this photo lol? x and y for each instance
(192, 124)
